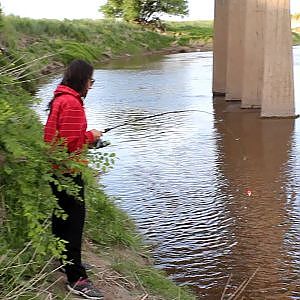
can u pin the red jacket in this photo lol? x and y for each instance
(67, 120)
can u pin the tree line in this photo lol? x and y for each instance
(144, 11)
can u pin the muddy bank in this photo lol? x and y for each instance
(56, 67)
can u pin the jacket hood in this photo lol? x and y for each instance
(65, 90)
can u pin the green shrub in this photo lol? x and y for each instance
(296, 38)
(187, 32)
(26, 199)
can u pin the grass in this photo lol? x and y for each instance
(151, 280)
(17, 281)
(92, 40)
(86, 39)
(108, 225)
(51, 44)
(191, 31)
(296, 37)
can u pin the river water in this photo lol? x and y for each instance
(215, 190)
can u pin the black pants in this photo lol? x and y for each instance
(71, 229)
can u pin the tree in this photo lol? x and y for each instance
(144, 11)
(1, 17)
(113, 8)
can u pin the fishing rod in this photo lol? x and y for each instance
(100, 143)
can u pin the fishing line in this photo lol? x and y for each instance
(100, 143)
(155, 116)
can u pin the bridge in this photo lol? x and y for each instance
(253, 59)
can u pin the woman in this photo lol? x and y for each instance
(67, 121)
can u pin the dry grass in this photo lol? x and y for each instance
(240, 289)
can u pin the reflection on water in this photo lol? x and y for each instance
(257, 161)
(215, 190)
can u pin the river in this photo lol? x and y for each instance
(215, 190)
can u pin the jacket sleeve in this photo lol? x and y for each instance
(72, 127)
(68, 121)
(89, 138)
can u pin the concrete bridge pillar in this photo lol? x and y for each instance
(235, 49)
(253, 54)
(278, 80)
(220, 47)
(253, 59)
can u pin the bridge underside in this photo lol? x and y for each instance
(253, 60)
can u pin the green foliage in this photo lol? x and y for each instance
(154, 281)
(106, 224)
(51, 28)
(22, 69)
(143, 11)
(112, 8)
(1, 17)
(131, 10)
(58, 42)
(191, 31)
(22, 189)
(74, 50)
(296, 38)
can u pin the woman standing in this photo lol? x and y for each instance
(67, 121)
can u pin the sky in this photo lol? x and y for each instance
(72, 9)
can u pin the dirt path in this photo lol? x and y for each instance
(113, 285)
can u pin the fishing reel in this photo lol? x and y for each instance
(100, 144)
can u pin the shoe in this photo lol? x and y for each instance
(85, 288)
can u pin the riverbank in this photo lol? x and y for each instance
(51, 44)
(121, 274)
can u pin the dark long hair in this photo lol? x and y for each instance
(76, 77)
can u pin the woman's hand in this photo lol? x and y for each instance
(97, 134)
